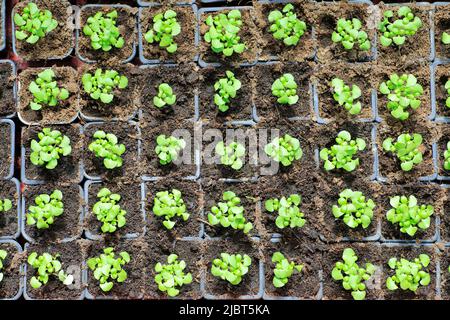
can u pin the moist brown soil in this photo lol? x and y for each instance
(57, 43)
(126, 22)
(185, 40)
(192, 197)
(442, 75)
(128, 135)
(64, 112)
(240, 107)
(445, 275)
(442, 147)
(183, 79)
(66, 226)
(10, 284)
(267, 107)
(7, 79)
(416, 47)
(8, 220)
(441, 25)
(5, 150)
(71, 258)
(445, 219)
(68, 169)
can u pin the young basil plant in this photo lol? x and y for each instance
(283, 269)
(3, 255)
(45, 91)
(231, 155)
(48, 150)
(5, 205)
(102, 84)
(103, 31)
(354, 209)
(286, 26)
(226, 89)
(446, 159)
(348, 32)
(346, 96)
(47, 208)
(165, 96)
(170, 205)
(396, 31)
(407, 149)
(167, 148)
(285, 150)
(172, 275)
(288, 209)
(165, 27)
(231, 267)
(108, 211)
(106, 146)
(447, 87)
(47, 266)
(445, 38)
(409, 275)
(33, 24)
(285, 89)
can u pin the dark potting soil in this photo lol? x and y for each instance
(64, 112)
(66, 226)
(2, 34)
(445, 275)
(441, 25)
(444, 226)
(5, 150)
(10, 284)
(59, 42)
(441, 148)
(68, 168)
(442, 75)
(7, 79)
(8, 220)
(185, 40)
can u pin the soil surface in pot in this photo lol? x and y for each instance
(445, 221)
(10, 284)
(441, 25)
(5, 150)
(441, 148)
(445, 276)
(441, 77)
(8, 220)
(7, 79)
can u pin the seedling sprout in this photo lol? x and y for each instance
(103, 31)
(285, 89)
(349, 33)
(5, 205)
(168, 148)
(286, 150)
(33, 24)
(231, 155)
(231, 267)
(47, 266)
(3, 255)
(45, 91)
(226, 89)
(103, 83)
(106, 146)
(283, 270)
(165, 96)
(354, 209)
(170, 205)
(407, 149)
(285, 26)
(346, 96)
(172, 275)
(165, 27)
(47, 208)
(396, 31)
(108, 211)
(409, 275)
(288, 209)
(48, 150)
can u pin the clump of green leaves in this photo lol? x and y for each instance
(107, 268)
(409, 215)
(171, 275)
(283, 269)
(5, 205)
(286, 26)
(45, 91)
(230, 213)
(165, 96)
(446, 159)
(108, 212)
(48, 150)
(226, 89)
(102, 29)
(168, 148)
(3, 255)
(402, 92)
(445, 38)
(231, 267)
(170, 205)
(285, 89)
(165, 28)
(101, 84)
(231, 155)
(288, 209)
(47, 265)
(33, 23)
(409, 275)
(340, 155)
(354, 209)
(348, 32)
(447, 87)
(47, 208)
(396, 31)
(346, 96)
(285, 150)
(106, 146)
(406, 148)
(352, 275)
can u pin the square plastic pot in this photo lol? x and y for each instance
(14, 87)
(12, 145)
(17, 204)
(20, 278)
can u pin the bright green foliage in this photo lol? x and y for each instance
(348, 32)
(102, 29)
(107, 268)
(230, 213)
(165, 96)
(3, 255)
(51, 146)
(288, 209)
(445, 38)
(231, 267)
(340, 155)
(5, 205)
(409, 215)
(352, 275)
(171, 275)
(402, 92)
(446, 160)
(286, 26)
(231, 155)
(406, 148)
(283, 269)
(345, 96)
(47, 265)
(108, 211)
(165, 28)
(45, 91)
(285, 150)
(447, 87)
(168, 148)
(354, 209)
(101, 84)
(47, 208)
(170, 205)
(106, 146)
(396, 31)
(285, 89)
(226, 89)
(33, 23)
(409, 275)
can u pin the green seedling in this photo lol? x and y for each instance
(103, 31)
(165, 27)
(288, 209)
(108, 211)
(231, 155)
(406, 149)
(409, 275)
(348, 32)
(46, 210)
(171, 275)
(165, 96)
(48, 150)
(283, 269)
(409, 215)
(231, 267)
(170, 205)
(285, 150)
(230, 213)
(446, 160)
(222, 34)
(107, 268)
(47, 265)
(447, 87)
(5, 205)
(167, 148)
(3, 255)
(396, 31)
(106, 146)
(352, 275)
(45, 91)
(285, 26)
(445, 38)
(340, 155)
(354, 209)
(346, 96)
(102, 84)
(226, 89)
(33, 24)
(285, 89)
